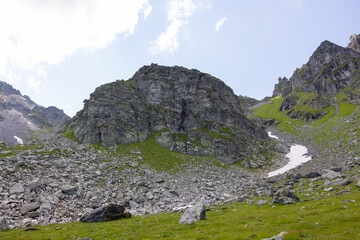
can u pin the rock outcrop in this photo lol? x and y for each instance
(185, 110)
(330, 69)
(284, 196)
(282, 87)
(21, 119)
(193, 214)
(312, 88)
(354, 42)
(106, 213)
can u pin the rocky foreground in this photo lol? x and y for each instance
(61, 181)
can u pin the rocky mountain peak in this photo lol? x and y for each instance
(184, 110)
(21, 118)
(330, 69)
(7, 89)
(354, 42)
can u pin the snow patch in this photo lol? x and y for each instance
(19, 140)
(297, 156)
(272, 136)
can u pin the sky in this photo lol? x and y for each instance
(57, 52)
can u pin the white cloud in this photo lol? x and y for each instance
(35, 34)
(34, 84)
(178, 13)
(220, 23)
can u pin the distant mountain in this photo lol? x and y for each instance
(21, 119)
(184, 110)
(331, 70)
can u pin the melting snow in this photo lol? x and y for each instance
(19, 140)
(272, 136)
(297, 156)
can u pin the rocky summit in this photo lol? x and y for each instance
(330, 69)
(21, 119)
(313, 89)
(184, 110)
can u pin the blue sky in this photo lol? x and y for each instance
(57, 52)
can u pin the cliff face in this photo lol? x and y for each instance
(185, 110)
(330, 69)
(23, 118)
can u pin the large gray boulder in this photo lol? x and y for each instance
(29, 207)
(284, 196)
(330, 174)
(106, 213)
(193, 214)
(277, 237)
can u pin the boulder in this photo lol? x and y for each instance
(277, 237)
(106, 213)
(193, 214)
(330, 174)
(311, 175)
(261, 202)
(29, 207)
(3, 224)
(339, 182)
(33, 184)
(16, 189)
(68, 189)
(284, 196)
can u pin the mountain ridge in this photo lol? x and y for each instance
(22, 118)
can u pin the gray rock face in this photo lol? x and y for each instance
(193, 214)
(284, 196)
(330, 69)
(282, 87)
(354, 42)
(19, 116)
(106, 213)
(289, 102)
(306, 116)
(319, 102)
(189, 112)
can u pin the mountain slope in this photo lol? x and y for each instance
(186, 110)
(21, 119)
(319, 105)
